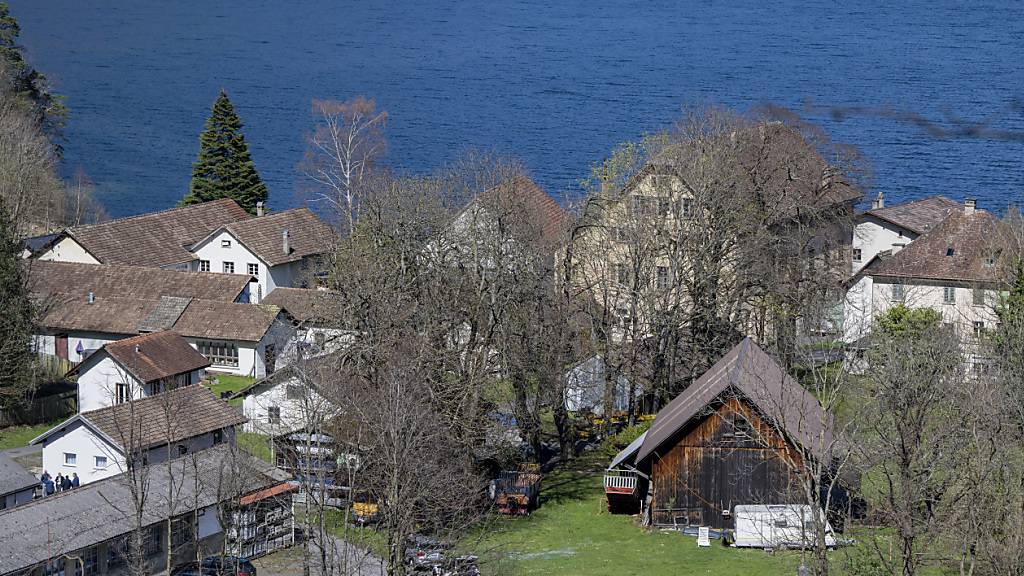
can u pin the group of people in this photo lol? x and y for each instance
(58, 484)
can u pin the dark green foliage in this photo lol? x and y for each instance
(1008, 339)
(903, 321)
(25, 83)
(16, 358)
(224, 168)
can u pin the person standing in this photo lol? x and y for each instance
(48, 487)
(74, 481)
(66, 483)
(59, 482)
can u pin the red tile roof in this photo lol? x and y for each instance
(277, 490)
(522, 196)
(154, 356)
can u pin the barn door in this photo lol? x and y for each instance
(61, 345)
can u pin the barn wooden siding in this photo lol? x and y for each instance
(711, 468)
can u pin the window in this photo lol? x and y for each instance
(225, 243)
(100, 462)
(117, 551)
(949, 295)
(979, 329)
(664, 206)
(950, 251)
(182, 530)
(219, 353)
(218, 437)
(70, 459)
(295, 392)
(978, 297)
(204, 265)
(662, 278)
(856, 254)
(182, 449)
(253, 269)
(274, 415)
(622, 274)
(123, 394)
(644, 206)
(990, 261)
(153, 540)
(89, 562)
(228, 267)
(686, 208)
(897, 292)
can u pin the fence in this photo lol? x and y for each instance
(44, 409)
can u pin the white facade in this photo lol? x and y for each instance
(67, 250)
(87, 342)
(585, 386)
(252, 356)
(226, 255)
(960, 305)
(276, 408)
(99, 377)
(78, 448)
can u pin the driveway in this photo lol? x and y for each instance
(288, 562)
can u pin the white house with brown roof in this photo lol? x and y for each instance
(279, 249)
(135, 368)
(885, 229)
(96, 444)
(293, 398)
(157, 239)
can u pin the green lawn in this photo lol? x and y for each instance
(18, 436)
(572, 533)
(230, 383)
(256, 444)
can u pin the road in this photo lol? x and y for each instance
(289, 562)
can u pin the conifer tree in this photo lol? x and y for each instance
(22, 83)
(16, 314)
(224, 168)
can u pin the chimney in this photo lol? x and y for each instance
(138, 349)
(285, 244)
(969, 205)
(896, 248)
(259, 208)
(879, 202)
(91, 298)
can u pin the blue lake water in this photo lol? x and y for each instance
(557, 83)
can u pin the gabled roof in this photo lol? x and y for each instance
(226, 321)
(954, 250)
(750, 372)
(311, 371)
(102, 510)
(172, 416)
(918, 216)
(14, 478)
(164, 314)
(524, 197)
(306, 305)
(77, 280)
(263, 235)
(627, 453)
(150, 357)
(157, 238)
(107, 315)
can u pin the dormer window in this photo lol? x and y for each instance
(225, 243)
(950, 251)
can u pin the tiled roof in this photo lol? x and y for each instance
(157, 238)
(307, 305)
(799, 175)
(172, 416)
(523, 197)
(307, 235)
(77, 280)
(102, 510)
(225, 321)
(753, 374)
(14, 478)
(164, 314)
(918, 216)
(282, 488)
(108, 315)
(154, 356)
(956, 249)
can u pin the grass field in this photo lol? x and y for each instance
(18, 436)
(256, 444)
(230, 383)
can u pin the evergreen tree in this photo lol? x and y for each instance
(22, 82)
(224, 168)
(17, 362)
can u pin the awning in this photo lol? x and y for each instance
(628, 452)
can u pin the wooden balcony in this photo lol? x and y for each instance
(620, 482)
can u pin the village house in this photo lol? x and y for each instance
(741, 434)
(17, 485)
(585, 385)
(884, 229)
(83, 306)
(218, 494)
(953, 269)
(281, 249)
(97, 444)
(316, 313)
(290, 399)
(135, 368)
(157, 239)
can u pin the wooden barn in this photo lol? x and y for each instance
(738, 435)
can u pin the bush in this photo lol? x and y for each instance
(620, 440)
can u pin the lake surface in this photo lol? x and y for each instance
(556, 83)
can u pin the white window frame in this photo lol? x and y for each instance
(949, 295)
(220, 353)
(253, 269)
(204, 265)
(899, 293)
(227, 267)
(122, 392)
(72, 461)
(662, 278)
(857, 254)
(225, 243)
(96, 462)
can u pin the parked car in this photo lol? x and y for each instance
(433, 556)
(190, 569)
(227, 566)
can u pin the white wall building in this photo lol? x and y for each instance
(290, 399)
(97, 444)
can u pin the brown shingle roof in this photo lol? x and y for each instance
(749, 371)
(956, 249)
(154, 356)
(157, 238)
(172, 416)
(523, 196)
(109, 315)
(77, 280)
(226, 321)
(918, 216)
(307, 305)
(307, 235)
